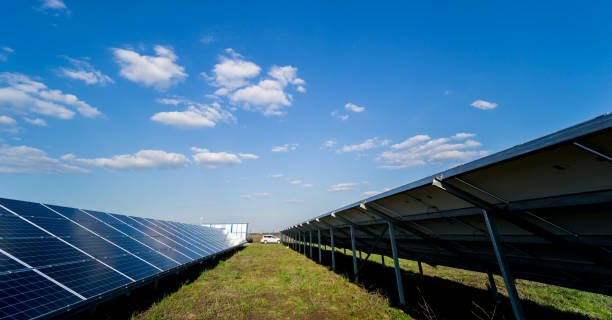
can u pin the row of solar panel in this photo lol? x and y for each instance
(52, 257)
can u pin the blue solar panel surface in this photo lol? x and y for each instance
(53, 258)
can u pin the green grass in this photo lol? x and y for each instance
(591, 305)
(271, 282)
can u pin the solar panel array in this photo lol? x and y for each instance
(54, 258)
(542, 210)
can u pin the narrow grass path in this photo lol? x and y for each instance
(271, 282)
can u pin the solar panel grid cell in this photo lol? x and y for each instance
(25, 294)
(189, 254)
(175, 237)
(205, 247)
(142, 237)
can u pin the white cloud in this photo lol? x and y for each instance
(160, 71)
(483, 105)
(285, 75)
(342, 187)
(83, 70)
(7, 121)
(269, 95)
(448, 92)
(245, 196)
(36, 121)
(366, 145)
(329, 143)
(411, 141)
(463, 135)
(143, 159)
(53, 4)
(293, 201)
(261, 194)
(285, 148)
(307, 185)
(232, 72)
(353, 107)
(195, 115)
(213, 159)
(296, 182)
(277, 175)
(24, 159)
(22, 95)
(248, 156)
(3, 56)
(207, 39)
(421, 149)
(336, 114)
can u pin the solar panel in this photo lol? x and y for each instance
(55, 258)
(538, 211)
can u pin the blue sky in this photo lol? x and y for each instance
(272, 113)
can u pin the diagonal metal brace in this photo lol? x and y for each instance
(372, 249)
(592, 253)
(384, 213)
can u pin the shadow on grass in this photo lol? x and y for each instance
(433, 297)
(141, 299)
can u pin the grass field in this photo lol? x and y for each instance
(273, 282)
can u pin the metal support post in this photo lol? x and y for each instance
(382, 260)
(333, 248)
(420, 269)
(310, 242)
(398, 273)
(517, 307)
(493, 287)
(355, 272)
(319, 238)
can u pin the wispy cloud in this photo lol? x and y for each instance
(84, 71)
(353, 107)
(421, 149)
(342, 187)
(213, 159)
(25, 159)
(143, 159)
(195, 115)
(366, 145)
(285, 148)
(483, 105)
(23, 95)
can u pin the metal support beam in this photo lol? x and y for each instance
(319, 238)
(420, 269)
(333, 248)
(431, 240)
(398, 272)
(517, 307)
(593, 151)
(493, 287)
(592, 253)
(355, 272)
